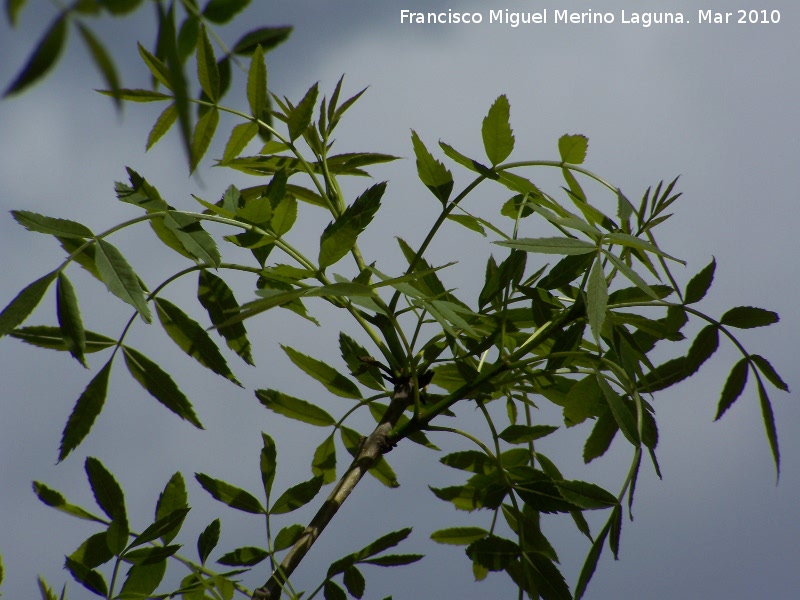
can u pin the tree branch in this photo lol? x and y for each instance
(371, 449)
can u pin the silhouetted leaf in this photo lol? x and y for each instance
(107, 492)
(230, 494)
(734, 386)
(43, 57)
(340, 236)
(324, 461)
(287, 537)
(222, 11)
(294, 408)
(88, 578)
(218, 299)
(767, 370)
(268, 462)
(459, 536)
(88, 406)
(335, 382)
(699, 284)
(23, 303)
(192, 338)
(69, 318)
(160, 385)
(266, 37)
(208, 540)
(747, 317)
(244, 557)
(170, 501)
(257, 83)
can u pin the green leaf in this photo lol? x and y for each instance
(294, 408)
(244, 557)
(207, 70)
(335, 382)
(43, 58)
(266, 37)
(23, 303)
(157, 68)
(367, 373)
(601, 437)
(143, 579)
(102, 61)
(120, 278)
(257, 84)
(120, 7)
(268, 462)
(162, 125)
(218, 300)
(160, 385)
(13, 9)
(331, 591)
(88, 406)
(241, 135)
(704, 345)
(522, 434)
(550, 245)
(56, 500)
(493, 552)
(284, 213)
(208, 540)
(69, 318)
(152, 555)
(137, 95)
(60, 227)
(165, 527)
(354, 582)
(622, 414)
(734, 386)
(47, 592)
(106, 490)
(472, 460)
(431, 172)
(230, 494)
(201, 139)
(587, 496)
(498, 140)
(698, 285)
(590, 564)
(747, 317)
(297, 496)
(192, 338)
(597, 299)
(458, 536)
(340, 236)
(222, 11)
(172, 500)
(769, 426)
(572, 148)
(288, 536)
(470, 222)
(768, 371)
(88, 578)
(299, 118)
(324, 461)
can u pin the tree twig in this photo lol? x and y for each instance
(368, 454)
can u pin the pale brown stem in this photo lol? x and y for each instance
(371, 449)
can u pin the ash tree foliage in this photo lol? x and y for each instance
(571, 317)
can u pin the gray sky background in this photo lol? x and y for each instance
(715, 104)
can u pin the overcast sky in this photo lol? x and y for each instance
(715, 104)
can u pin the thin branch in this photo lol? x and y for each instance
(370, 451)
